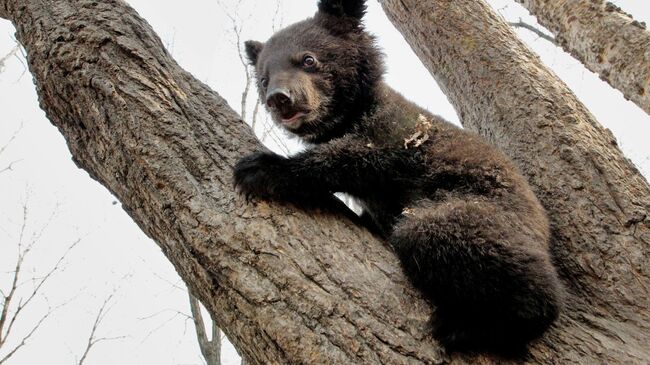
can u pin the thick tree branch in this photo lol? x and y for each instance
(604, 38)
(311, 288)
(285, 286)
(596, 199)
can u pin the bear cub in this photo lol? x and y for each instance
(469, 232)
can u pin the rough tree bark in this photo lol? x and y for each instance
(292, 287)
(597, 200)
(604, 38)
(285, 286)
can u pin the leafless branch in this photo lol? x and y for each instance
(532, 28)
(23, 303)
(24, 340)
(6, 57)
(170, 43)
(174, 285)
(18, 53)
(278, 16)
(11, 139)
(176, 313)
(163, 324)
(7, 299)
(21, 58)
(92, 338)
(271, 131)
(7, 144)
(11, 313)
(237, 26)
(256, 110)
(10, 167)
(35, 327)
(210, 348)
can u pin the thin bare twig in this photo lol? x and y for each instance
(237, 26)
(10, 167)
(176, 313)
(6, 57)
(11, 313)
(272, 131)
(532, 28)
(24, 340)
(14, 53)
(92, 338)
(6, 145)
(21, 58)
(278, 16)
(163, 324)
(256, 110)
(175, 285)
(22, 304)
(11, 139)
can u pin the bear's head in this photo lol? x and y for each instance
(317, 77)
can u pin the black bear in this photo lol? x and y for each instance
(464, 222)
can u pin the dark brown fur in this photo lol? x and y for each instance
(469, 231)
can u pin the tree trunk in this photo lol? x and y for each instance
(290, 287)
(605, 39)
(596, 199)
(285, 286)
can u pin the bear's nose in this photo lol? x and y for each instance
(279, 97)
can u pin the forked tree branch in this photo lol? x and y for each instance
(210, 348)
(294, 287)
(165, 144)
(93, 338)
(14, 299)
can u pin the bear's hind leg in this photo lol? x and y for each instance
(493, 291)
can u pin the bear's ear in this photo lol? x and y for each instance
(253, 49)
(343, 8)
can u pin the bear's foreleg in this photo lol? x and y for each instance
(310, 177)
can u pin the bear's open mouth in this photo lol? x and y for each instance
(292, 118)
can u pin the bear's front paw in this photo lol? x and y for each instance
(261, 175)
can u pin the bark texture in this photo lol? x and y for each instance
(285, 286)
(290, 287)
(596, 199)
(604, 38)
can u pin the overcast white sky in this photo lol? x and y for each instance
(114, 255)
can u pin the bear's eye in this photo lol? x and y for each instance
(308, 61)
(264, 81)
